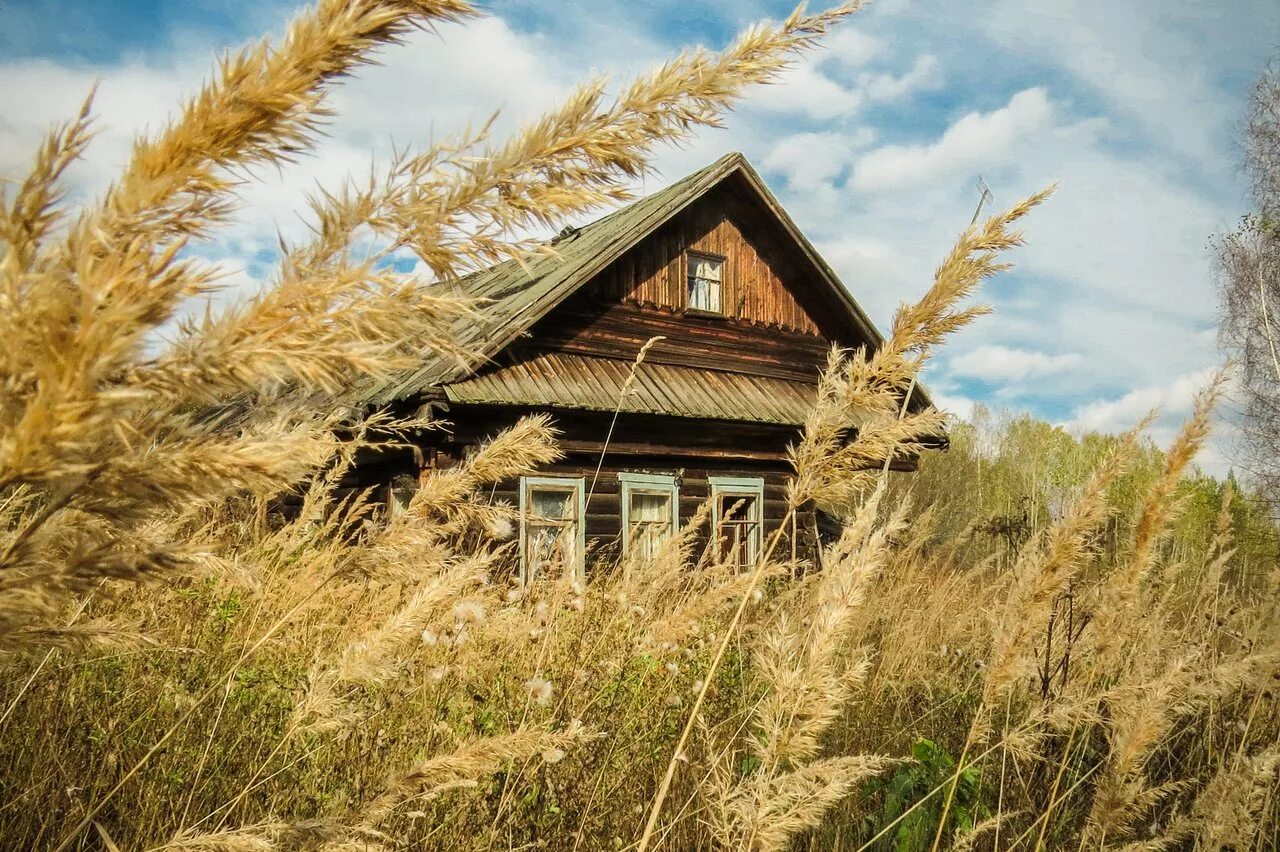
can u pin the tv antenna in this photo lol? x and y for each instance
(982, 199)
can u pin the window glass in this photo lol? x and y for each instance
(650, 510)
(739, 520)
(705, 277)
(738, 505)
(550, 525)
(649, 521)
(400, 494)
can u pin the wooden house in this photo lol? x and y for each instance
(747, 311)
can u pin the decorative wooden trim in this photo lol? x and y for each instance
(687, 259)
(744, 486)
(573, 484)
(647, 483)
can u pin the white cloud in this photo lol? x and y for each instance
(808, 90)
(811, 161)
(955, 404)
(1118, 415)
(851, 47)
(1161, 62)
(1115, 269)
(994, 364)
(1173, 403)
(924, 74)
(973, 141)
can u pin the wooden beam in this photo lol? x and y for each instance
(646, 449)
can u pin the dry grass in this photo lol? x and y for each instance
(187, 671)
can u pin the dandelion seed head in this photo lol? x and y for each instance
(539, 690)
(501, 529)
(469, 611)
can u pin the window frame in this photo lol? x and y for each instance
(575, 485)
(739, 486)
(647, 483)
(691, 258)
(401, 485)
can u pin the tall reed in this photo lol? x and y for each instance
(188, 669)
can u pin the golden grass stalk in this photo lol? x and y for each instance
(274, 836)
(371, 659)
(866, 394)
(806, 670)
(1045, 567)
(1230, 808)
(459, 210)
(767, 813)
(1114, 627)
(468, 762)
(35, 210)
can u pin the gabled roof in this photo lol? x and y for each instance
(518, 295)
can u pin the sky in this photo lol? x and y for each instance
(875, 144)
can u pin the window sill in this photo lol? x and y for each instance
(701, 314)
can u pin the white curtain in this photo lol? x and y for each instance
(704, 285)
(650, 521)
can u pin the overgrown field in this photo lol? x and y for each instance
(1036, 642)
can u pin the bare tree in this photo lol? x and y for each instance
(1249, 260)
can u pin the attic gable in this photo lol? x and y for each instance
(517, 295)
(759, 276)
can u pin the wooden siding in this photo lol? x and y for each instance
(656, 272)
(586, 327)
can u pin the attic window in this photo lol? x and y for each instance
(706, 273)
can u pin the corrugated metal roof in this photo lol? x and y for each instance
(596, 384)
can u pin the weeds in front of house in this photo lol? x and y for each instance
(185, 669)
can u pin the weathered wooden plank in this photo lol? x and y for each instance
(757, 286)
(651, 449)
(620, 330)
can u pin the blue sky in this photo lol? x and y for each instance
(875, 145)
